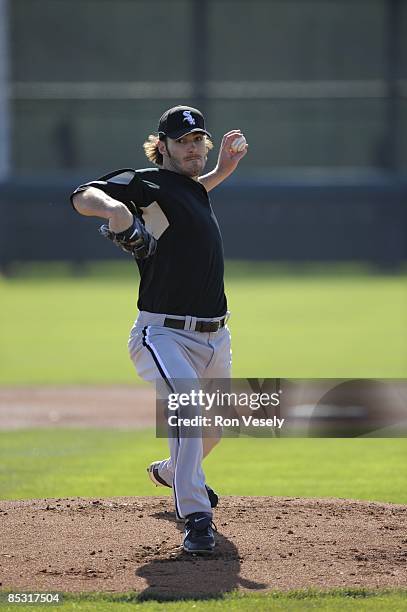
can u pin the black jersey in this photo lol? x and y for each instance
(185, 275)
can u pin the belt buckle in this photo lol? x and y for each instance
(214, 326)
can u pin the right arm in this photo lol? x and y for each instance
(93, 202)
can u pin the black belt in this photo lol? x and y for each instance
(200, 326)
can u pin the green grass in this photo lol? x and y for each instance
(42, 463)
(293, 601)
(310, 321)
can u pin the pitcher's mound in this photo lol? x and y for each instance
(133, 544)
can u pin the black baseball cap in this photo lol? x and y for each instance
(181, 120)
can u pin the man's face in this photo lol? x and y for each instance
(187, 155)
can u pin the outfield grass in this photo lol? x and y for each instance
(311, 321)
(335, 601)
(91, 463)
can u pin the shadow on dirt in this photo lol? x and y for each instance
(194, 576)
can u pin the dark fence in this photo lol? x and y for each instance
(295, 222)
(312, 83)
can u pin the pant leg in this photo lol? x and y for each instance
(220, 365)
(158, 354)
(217, 375)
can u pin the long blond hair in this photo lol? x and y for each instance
(152, 153)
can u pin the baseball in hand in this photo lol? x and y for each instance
(238, 144)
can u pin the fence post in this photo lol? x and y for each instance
(393, 40)
(199, 56)
(4, 91)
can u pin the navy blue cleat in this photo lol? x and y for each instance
(155, 477)
(199, 537)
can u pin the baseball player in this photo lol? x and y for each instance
(163, 216)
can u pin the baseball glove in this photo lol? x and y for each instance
(135, 240)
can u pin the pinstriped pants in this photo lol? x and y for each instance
(169, 354)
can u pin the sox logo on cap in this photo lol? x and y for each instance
(188, 117)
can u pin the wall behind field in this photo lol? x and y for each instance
(271, 221)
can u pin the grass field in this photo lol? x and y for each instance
(340, 599)
(304, 322)
(91, 463)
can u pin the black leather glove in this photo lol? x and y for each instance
(135, 240)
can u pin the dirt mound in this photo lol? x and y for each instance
(263, 543)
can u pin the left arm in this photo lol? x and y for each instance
(227, 161)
